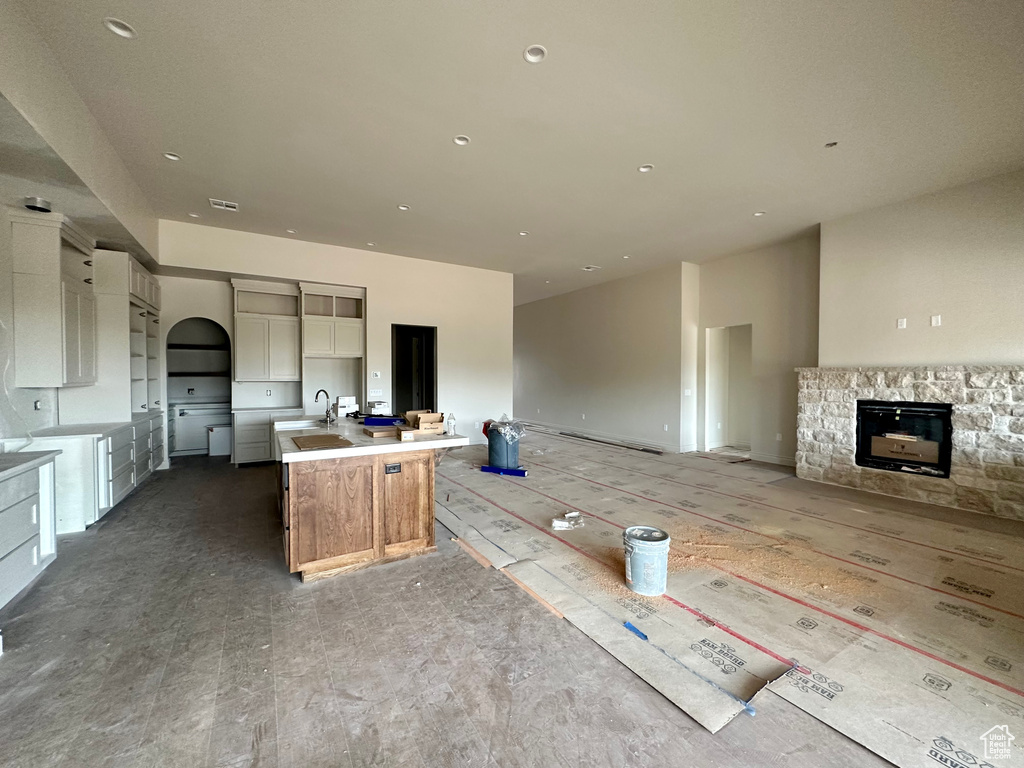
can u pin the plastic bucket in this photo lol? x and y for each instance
(646, 559)
(501, 454)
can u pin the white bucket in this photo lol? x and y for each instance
(646, 559)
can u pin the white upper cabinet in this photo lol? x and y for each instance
(54, 306)
(266, 331)
(333, 323)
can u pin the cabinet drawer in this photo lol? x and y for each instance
(18, 568)
(142, 428)
(158, 437)
(158, 456)
(252, 452)
(121, 458)
(18, 524)
(122, 484)
(252, 419)
(121, 438)
(245, 435)
(19, 487)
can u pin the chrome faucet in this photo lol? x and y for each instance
(328, 418)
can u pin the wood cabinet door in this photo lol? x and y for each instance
(87, 337)
(252, 349)
(72, 333)
(332, 521)
(348, 337)
(285, 359)
(317, 336)
(408, 496)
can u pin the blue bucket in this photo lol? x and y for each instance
(646, 559)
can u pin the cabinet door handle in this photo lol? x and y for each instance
(142, 314)
(157, 321)
(145, 407)
(156, 402)
(88, 280)
(87, 262)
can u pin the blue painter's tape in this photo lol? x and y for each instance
(635, 631)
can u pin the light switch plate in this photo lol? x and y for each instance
(375, 375)
(936, 321)
(687, 392)
(901, 323)
(376, 393)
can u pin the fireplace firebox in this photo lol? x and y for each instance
(905, 437)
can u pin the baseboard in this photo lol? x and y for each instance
(771, 458)
(666, 447)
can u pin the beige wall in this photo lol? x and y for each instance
(958, 254)
(471, 308)
(614, 353)
(35, 84)
(775, 290)
(16, 413)
(740, 386)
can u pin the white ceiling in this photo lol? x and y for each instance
(323, 116)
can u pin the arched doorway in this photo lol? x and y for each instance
(198, 386)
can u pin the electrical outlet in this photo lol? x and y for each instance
(375, 375)
(376, 393)
(538, 410)
(901, 323)
(37, 405)
(666, 427)
(719, 425)
(778, 437)
(687, 392)
(583, 416)
(476, 425)
(268, 393)
(936, 321)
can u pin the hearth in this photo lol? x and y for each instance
(905, 436)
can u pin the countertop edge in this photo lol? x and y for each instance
(32, 460)
(386, 445)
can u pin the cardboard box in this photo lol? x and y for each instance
(406, 433)
(425, 420)
(379, 408)
(381, 431)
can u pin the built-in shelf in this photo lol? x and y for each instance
(222, 374)
(223, 347)
(137, 379)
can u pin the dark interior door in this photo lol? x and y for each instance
(414, 368)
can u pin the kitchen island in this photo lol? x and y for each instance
(351, 507)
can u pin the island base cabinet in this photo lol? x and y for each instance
(349, 513)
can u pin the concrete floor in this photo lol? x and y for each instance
(170, 634)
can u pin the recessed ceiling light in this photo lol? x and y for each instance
(759, 213)
(119, 28)
(172, 156)
(625, 257)
(547, 282)
(290, 231)
(372, 245)
(194, 215)
(832, 144)
(461, 140)
(645, 168)
(535, 54)
(524, 233)
(591, 268)
(403, 207)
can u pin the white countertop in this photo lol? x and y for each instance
(12, 464)
(280, 409)
(93, 430)
(362, 445)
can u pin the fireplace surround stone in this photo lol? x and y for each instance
(987, 473)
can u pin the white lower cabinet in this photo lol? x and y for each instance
(252, 432)
(28, 536)
(99, 465)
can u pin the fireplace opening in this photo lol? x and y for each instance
(905, 437)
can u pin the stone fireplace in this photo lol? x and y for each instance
(986, 464)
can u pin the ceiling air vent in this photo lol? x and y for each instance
(223, 205)
(591, 268)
